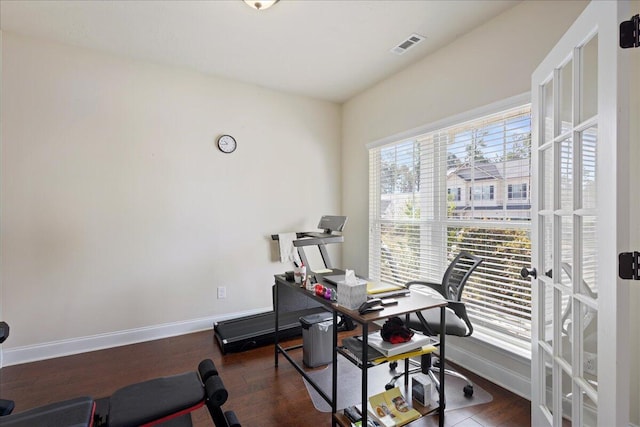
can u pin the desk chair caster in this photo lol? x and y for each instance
(432, 370)
(468, 390)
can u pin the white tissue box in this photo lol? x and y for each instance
(352, 296)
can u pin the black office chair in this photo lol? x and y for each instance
(457, 322)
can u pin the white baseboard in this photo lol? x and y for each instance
(486, 368)
(49, 350)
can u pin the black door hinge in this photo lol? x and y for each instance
(4, 331)
(630, 33)
(629, 265)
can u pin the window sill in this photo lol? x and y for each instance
(501, 343)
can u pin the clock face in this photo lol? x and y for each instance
(227, 144)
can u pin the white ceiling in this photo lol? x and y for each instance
(325, 49)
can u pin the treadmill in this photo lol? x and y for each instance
(245, 333)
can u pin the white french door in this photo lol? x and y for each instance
(580, 360)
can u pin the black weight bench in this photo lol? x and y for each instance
(76, 412)
(166, 401)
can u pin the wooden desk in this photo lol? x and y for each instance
(406, 305)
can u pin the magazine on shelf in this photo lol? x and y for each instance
(391, 409)
(386, 348)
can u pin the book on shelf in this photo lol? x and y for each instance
(353, 347)
(370, 423)
(354, 415)
(417, 341)
(391, 409)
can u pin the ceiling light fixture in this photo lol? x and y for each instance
(261, 4)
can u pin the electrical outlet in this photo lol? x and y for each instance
(590, 364)
(222, 292)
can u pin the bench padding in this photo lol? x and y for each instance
(151, 400)
(69, 413)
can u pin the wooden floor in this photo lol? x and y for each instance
(260, 394)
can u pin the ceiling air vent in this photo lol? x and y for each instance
(405, 45)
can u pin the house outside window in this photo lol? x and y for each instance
(419, 219)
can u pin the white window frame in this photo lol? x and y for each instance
(513, 345)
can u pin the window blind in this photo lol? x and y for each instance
(463, 187)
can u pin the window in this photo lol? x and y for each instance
(517, 192)
(454, 194)
(419, 220)
(481, 192)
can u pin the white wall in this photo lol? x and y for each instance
(119, 215)
(489, 64)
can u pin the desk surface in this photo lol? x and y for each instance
(413, 302)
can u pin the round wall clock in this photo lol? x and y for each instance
(227, 144)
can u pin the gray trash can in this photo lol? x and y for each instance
(317, 339)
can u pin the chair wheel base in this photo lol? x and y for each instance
(468, 390)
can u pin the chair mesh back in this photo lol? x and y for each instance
(457, 274)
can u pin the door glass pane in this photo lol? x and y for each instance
(546, 300)
(566, 257)
(567, 397)
(589, 330)
(546, 245)
(547, 113)
(566, 328)
(546, 164)
(566, 96)
(589, 411)
(589, 144)
(588, 284)
(566, 174)
(589, 79)
(547, 383)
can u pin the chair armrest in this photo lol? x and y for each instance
(435, 286)
(460, 309)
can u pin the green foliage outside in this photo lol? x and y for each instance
(505, 252)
